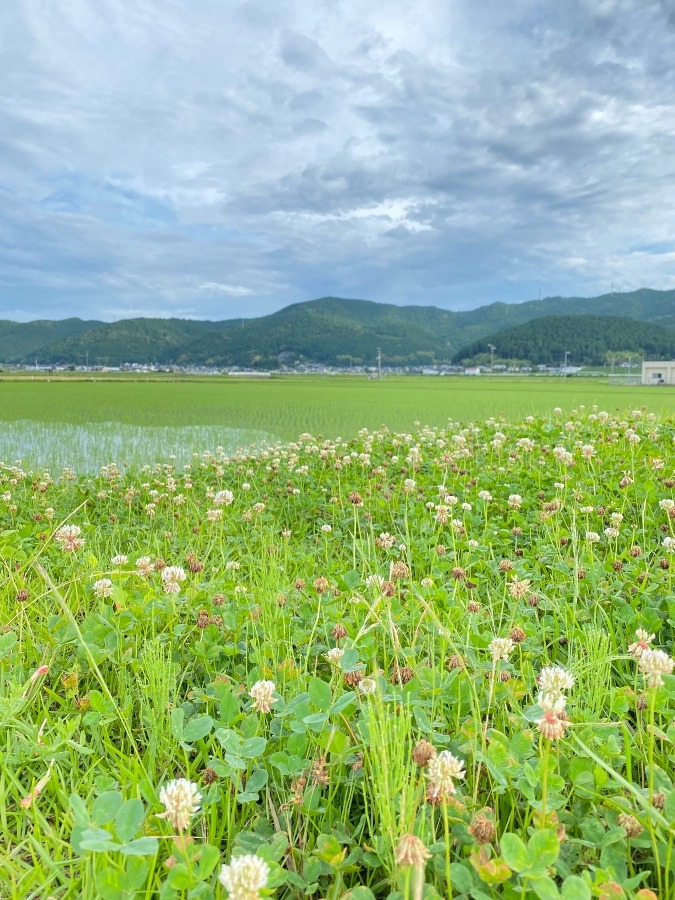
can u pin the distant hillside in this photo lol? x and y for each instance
(587, 339)
(330, 330)
(24, 339)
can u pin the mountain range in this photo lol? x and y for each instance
(330, 330)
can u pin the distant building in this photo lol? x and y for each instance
(658, 372)
(472, 370)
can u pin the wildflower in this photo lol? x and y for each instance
(515, 501)
(368, 686)
(119, 560)
(554, 680)
(181, 801)
(144, 565)
(482, 829)
(668, 544)
(339, 631)
(592, 537)
(422, 752)
(500, 648)
(262, 693)
(519, 588)
(630, 824)
(653, 664)
(642, 642)
(411, 851)
(552, 724)
(223, 498)
(172, 577)
(326, 528)
(245, 877)
(68, 537)
(334, 655)
(442, 771)
(102, 588)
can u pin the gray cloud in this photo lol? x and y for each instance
(219, 160)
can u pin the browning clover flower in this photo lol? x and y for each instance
(442, 771)
(181, 801)
(411, 851)
(68, 538)
(642, 641)
(262, 693)
(244, 877)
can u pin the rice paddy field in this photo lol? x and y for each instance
(416, 643)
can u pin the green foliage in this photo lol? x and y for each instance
(374, 617)
(589, 340)
(331, 330)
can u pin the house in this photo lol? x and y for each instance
(658, 372)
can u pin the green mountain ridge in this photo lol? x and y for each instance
(330, 330)
(586, 340)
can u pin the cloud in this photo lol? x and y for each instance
(228, 159)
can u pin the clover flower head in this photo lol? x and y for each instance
(442, 771)
(68, 538)
(653, 664)
(244, 877)
(555, 680)
(102, 588)
(500, 648)
(172, 577)
(181, 801)
(262, 693)
(642, 641)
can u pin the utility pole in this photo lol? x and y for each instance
(492, 358)
(379, 363)
(567, 353)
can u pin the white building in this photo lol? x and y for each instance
(658, 372)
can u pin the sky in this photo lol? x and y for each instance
(214, 159)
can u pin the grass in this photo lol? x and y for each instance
(274, 409)
(395, 587)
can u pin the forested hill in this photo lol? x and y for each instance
(587, 339)
(330, 330)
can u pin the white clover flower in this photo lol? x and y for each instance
(326, 528)
(102, 588)
(515, 501)
(244, 877)
(68, 538)
(592, 537)
(223, 498)
(653, 664)
(552, 724)
(368, 686)
(668, 544)
(442, 771)
(552, 702)
(500, 648)
(554, 680)
(334, 655)
(667, 504)
(181, 801)
(214, 515)
(485, 495)
(172, 577)
(262, 693)
(642, 642)
(120, 559)
(144, 565)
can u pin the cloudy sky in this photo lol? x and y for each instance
(219, 158)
